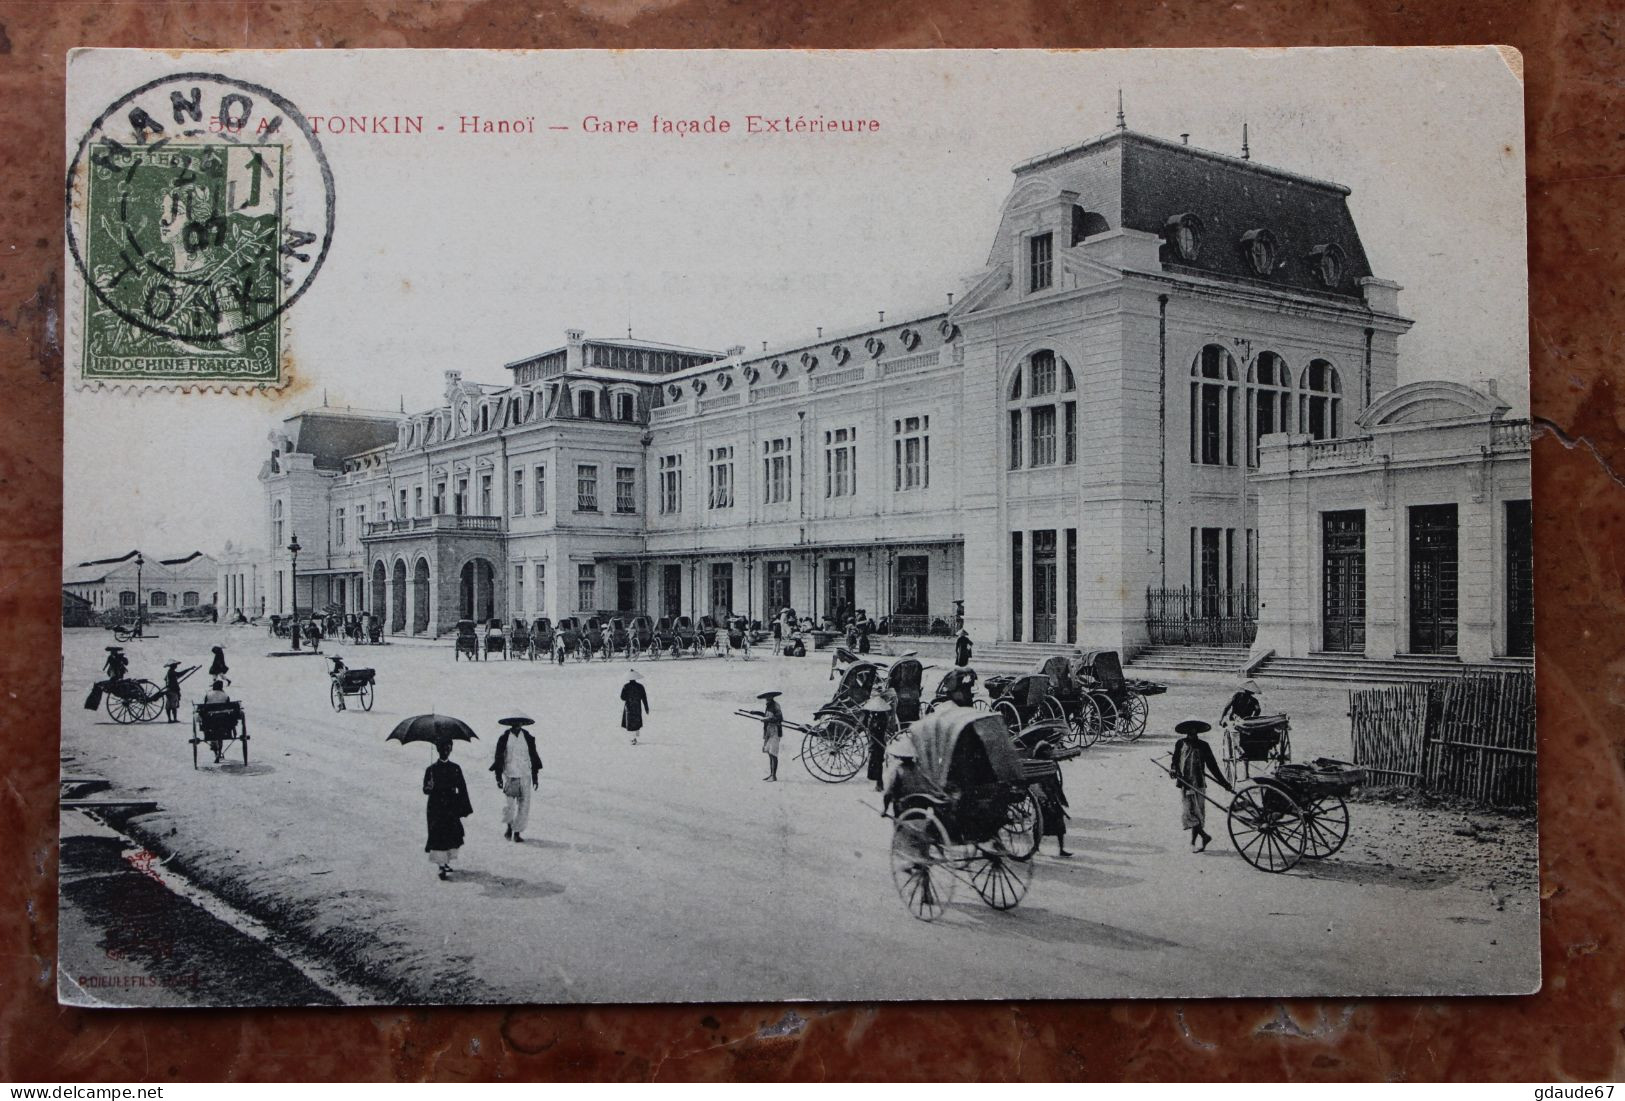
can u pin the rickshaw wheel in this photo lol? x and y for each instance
(195, 740)
(999, 877)
(122, 634)
(918, 865)
(1325, 825)
(152, 702)
(1012, 718)
(1109, 715)
(1267, 828)
(366, 696)
(1050, 710)
(834, 749)
(1023, 826)
(335, 695)
(121, 710)
(242, 736)
(1083, 729)
(1135, 712)
(654, 651)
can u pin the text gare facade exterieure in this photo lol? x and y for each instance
(1067, 444)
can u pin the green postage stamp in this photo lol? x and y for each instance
(191, 235)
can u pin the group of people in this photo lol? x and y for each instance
(117, 667)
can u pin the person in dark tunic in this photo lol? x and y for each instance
(772, 733)
(1244, 704)
(218, 668)
(877, 713)
(448, 806)
(117, 664)
(634, 704)
(1052, 801)
(863, 637)
(962, 649)
(1193, 763)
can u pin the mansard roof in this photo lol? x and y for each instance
(330, 436)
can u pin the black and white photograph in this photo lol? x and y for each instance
(744, 526)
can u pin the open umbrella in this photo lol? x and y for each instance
(431, 728)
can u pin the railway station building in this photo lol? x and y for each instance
(1072, 451)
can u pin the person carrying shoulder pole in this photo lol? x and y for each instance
(1193, 763)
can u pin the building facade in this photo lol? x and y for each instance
(158, 585)
(1069, 442)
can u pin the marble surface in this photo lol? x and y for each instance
(1573, 1029)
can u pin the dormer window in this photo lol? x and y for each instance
(1183, 232)
(625, 407)
(1330, 264)
(586, 405)
(1040, 261)
(1259, 245)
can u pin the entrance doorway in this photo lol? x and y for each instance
(913, 585)
(722, 590)
(840, 588)
(778, 587)
(476, 594)
(1342, 549)
(671, 591)
(1520, 580)
(397, 597)
(626, 587)
(1433, 579)
(420, 597)
(1044, 587)
(379, 581)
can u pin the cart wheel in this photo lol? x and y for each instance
(1135, 712)
(1051, 711)
(1109, 715)
(152, 701)
(122, 711)
(834, 749)
(1012, 718)
(1083, 730)
(195, 741)
(1267, 828)
(999, 877)
(335, 695)
(1325, 825)
(366, 696)
(122, 634)
(919, 865)
(1023, 826)
(243, 738)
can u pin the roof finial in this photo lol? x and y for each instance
(324, 397)
(1246, 154)
(1121, 124)
(403, 403)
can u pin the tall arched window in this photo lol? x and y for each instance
(1269, 401)
(1042, 412)
(1320, 403)
(1213, 408)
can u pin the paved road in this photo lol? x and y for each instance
(669, 871)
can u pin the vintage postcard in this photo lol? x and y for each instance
(758, 526)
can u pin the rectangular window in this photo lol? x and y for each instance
(586, 488)
(1070, 433)
(1071, 584)
(1040, 261)
(403, 514)
(485, 496)
(776, 470)
(516, 499)
(1208, 430)
(586, 587)
(1017, 612)
(460, 505)
(1015, 439)
(1043, 435)
(671, 484)
(438, 503)
(540, 488)
(360, 521)
(778, 586)
(189, 600)
(841, 462)
(626, 489)
(126, 599)
(338, 527)
(541, 588)
(719, 465)
(1043, 373)
(722, 589)
(586, 405)
(518, 610)
(911, 453)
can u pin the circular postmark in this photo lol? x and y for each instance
(199, 209)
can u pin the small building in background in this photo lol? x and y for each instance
(162, 585)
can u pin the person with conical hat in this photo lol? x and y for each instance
(1193, 763)
(117, 664)
(772, 733)
(1244, 704)
(173, 675)
(515, 757)
(877, 717)
(634, 704)
(962, 650)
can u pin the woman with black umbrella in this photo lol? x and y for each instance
(448, 806)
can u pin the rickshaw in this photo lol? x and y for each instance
(903, 678)
(128, 699)
(542, 636)
(375, 629)
(214, 724)
(689, 638)
(739, 635)
(467, 644)
(519, 641)
(666, 640)
(1083, 711)
(949, 684)
(1263, 742)
(351, 682)
(963, 808)
(496, 639)
(620, 637)
(1299, 811)
(1022, 699)
(1121, 701)
(641, 638)
(569, 634)
(592, 638)
(709, 631)
(352, 628)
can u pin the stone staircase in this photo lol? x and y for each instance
(1407, 668)
(1190, 660)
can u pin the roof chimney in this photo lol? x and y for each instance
(1121, 123)
(1246, 154)
(1184, 139)
(573, 359)
(820, 332)
(735, 351)
(882, 317)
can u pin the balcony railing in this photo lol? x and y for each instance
(1341, 452)
(442, 522)
(1201, 617)
(1510, 434)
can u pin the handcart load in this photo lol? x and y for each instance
(1256, 744)
(215, 724)
(467, 644)
(963, 808)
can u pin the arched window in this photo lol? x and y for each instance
(158, 599)
(1213, 408)
(1320, 403)
(1043, 412)
(1269, 402)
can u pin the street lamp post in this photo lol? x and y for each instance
(293, 577)
(139, 562)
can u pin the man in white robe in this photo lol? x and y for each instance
(517, 767)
